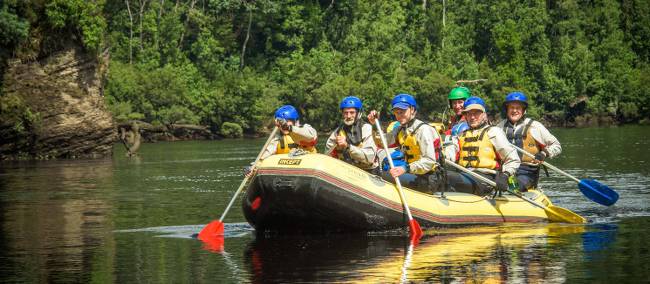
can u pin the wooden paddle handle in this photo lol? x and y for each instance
(243, 182)
(398, 184)
(492, 183)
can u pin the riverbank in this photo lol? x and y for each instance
(585, 121)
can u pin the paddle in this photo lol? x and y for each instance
(215, 228)
(414, 226)
(554, 213)
(592, 189)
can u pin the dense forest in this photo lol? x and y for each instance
(229, 63)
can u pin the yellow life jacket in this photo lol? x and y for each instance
(522, 139)
(287, 143)
(476, 150)
(410, 147)
(439, 126)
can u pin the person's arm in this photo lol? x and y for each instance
(390, 134)
(550, 145)
(271, 148)
(331, 142)
(366, 153)
(451, 149)
(506, 152)
(427, 159)
(304, 135)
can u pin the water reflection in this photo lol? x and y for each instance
(130, 221)
(470, 254)
(52, 228)
(599, 238)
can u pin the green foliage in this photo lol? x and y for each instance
(81, 15)
(123, 111)
(231, 130)
(236, 61)
(17, 120)
(12, 28)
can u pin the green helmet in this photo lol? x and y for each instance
(459, 93)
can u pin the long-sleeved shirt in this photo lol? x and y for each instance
(425, 140)
(363, 155)
(544, 139)
(505, 152)
(303, 135)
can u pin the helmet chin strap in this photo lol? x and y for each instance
(413, 114)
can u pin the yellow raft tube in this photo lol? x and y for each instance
(315, 192)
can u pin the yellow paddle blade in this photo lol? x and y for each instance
(559, 214)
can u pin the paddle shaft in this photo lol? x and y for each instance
(398, 184)
(243, 182)
(492, 183)
(546, 164)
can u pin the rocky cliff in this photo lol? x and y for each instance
(68, 115)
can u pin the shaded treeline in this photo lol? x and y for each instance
(234, 61)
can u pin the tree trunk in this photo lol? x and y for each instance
(444, 12)
(180, 42)
(128, 8)
(248, 34)
(160, 10)
(143, 3)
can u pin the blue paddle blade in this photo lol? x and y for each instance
(598, 192)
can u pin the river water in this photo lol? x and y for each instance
(131, 220)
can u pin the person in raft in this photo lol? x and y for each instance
(292, 135)
(457, 122)
(484, 149)
(420, 145)
(529, 135)
(456, 98)
(352, 141)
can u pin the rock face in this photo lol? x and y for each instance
(64, 92)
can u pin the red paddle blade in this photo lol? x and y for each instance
(414, 229)
(213, 244)
(211, 230)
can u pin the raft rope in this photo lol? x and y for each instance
(446, 197)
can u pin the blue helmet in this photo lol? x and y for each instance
(351, 102)
(287, 112)
(459, 128)
(404, 101)
(474, 103)
(516, 97)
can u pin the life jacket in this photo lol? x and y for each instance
(410, 147)
(522, 139)
(439, 126)
(476, 150)
(287, 143)
(353, 135)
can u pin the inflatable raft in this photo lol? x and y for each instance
(315, 192)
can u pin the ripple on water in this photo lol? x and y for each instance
(231, 230)
(633, 190)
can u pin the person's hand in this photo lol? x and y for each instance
(501, 180)
(398, 171)
(248, 171)
(283, 125)
(539, 157)
(341, 142)
(372, 116)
